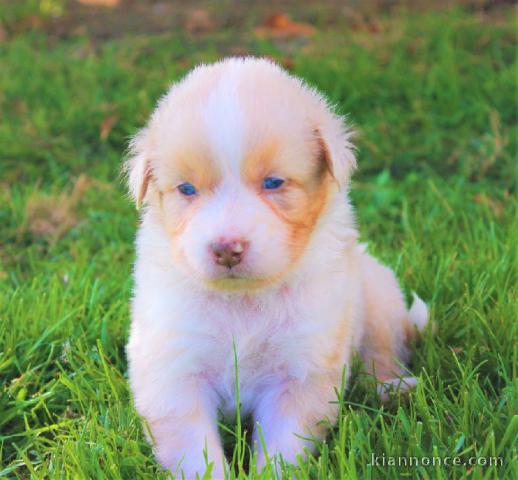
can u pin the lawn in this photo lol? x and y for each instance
(433, 97)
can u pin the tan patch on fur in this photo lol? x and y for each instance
(386, 318)
(175, 210)
(301, 200)
(259, 161)
(380, 350)
(176, 213)
(199, 169)
(325, 156)
(192, 166)
(144, 185)
(303, 217)
(299, 207)
(336, 356)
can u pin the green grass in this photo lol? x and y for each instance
(433, 97)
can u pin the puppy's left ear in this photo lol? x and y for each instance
(334, 141)
(137, 168)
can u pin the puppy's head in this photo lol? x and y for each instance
(238, 163)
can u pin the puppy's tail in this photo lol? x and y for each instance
(418, 316)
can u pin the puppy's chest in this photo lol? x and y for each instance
(260, 346)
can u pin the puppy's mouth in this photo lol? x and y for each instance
(235, 280)
(232, 276)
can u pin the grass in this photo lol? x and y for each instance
(433, 97)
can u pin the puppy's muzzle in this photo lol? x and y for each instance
(229, 253)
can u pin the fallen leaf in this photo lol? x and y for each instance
(107, 125)
(280, 25)
(373, 26)
(494, 205)
(100, 3)
(239, 51)
(288, 63)
(3, 33)
(33, 21)
(198, 21)
(370, 26)
(278, 20)
(359, 21)
(51, 216)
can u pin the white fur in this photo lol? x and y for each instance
(224, 122)
(418, 313)
(185, 324)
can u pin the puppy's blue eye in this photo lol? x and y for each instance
(187, 189)
(272, 183)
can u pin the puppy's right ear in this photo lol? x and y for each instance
(137, 168)
(334, 140)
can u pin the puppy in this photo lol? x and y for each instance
(248, 247)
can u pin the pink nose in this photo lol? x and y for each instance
(228, 252)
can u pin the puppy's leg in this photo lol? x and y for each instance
(388, 326)
(185, 432)
(293, 414)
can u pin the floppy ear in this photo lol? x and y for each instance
(334, 140)
(138, 168)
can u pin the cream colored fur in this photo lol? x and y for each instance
(305, 296)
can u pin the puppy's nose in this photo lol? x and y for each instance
(228, 253)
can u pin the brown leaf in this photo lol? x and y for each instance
(280, 25)
(277, 20)
(107, 125)
(239, 51)
(100, 3)
(51, 216)
(374, 26)
(3, 33)
(198, 21)
(288, 63)
(495, 206)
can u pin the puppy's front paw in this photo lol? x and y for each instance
(393, 386)
(186, 440)
(291, 420)
(202, 471)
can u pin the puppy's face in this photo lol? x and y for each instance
(242, 221)
(235, 164)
